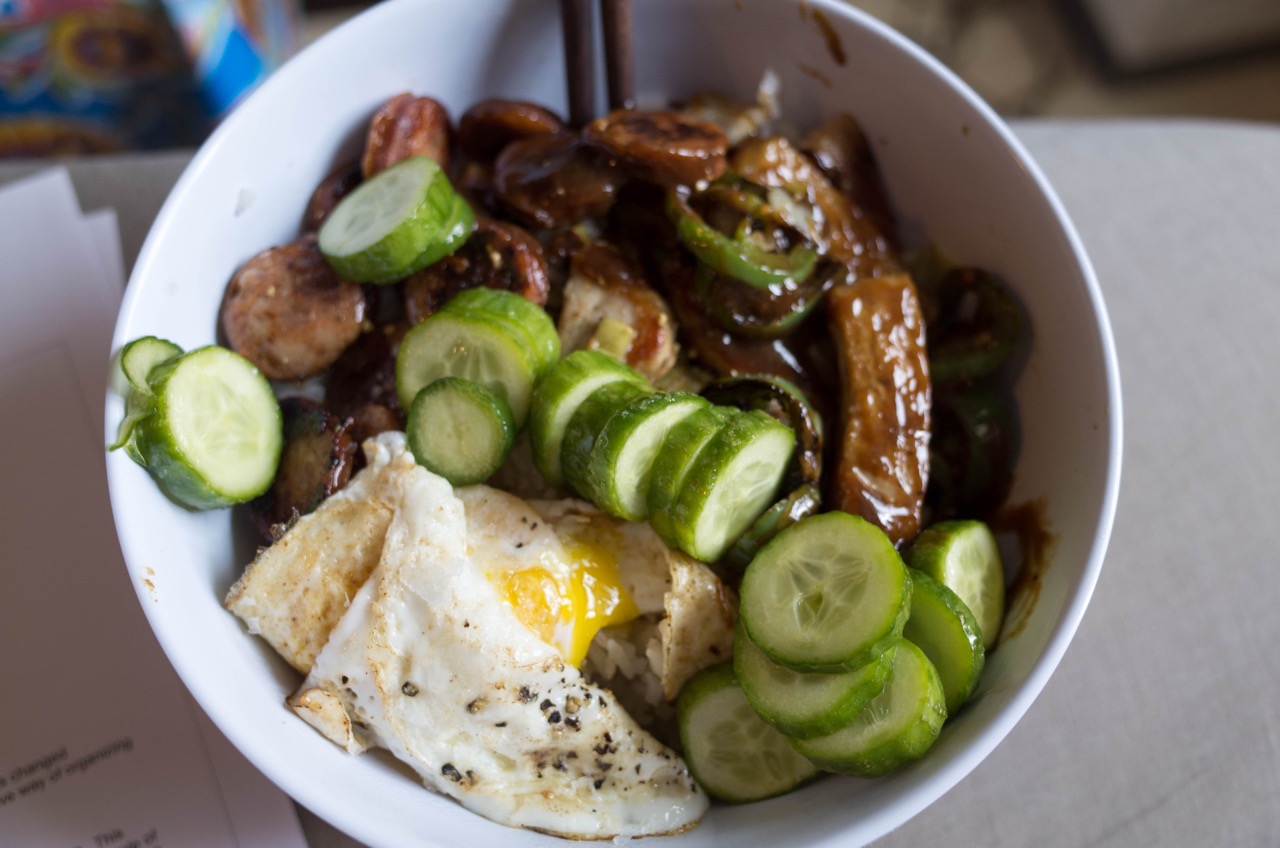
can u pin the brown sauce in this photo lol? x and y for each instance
(1028, 523)
(810, 71)
(834, 47)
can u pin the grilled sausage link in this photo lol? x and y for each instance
(882, 451)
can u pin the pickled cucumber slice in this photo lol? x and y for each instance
(829, 592)
(685, 441)
(622, 457)
(529, 321)
(733, 480)
(896, 727)
(964, 557)
(398, 221)
(454, 344)
(944, 628)
(734, 754)
(460, 430)
(214, 433)
(557, 397)
(806, 704)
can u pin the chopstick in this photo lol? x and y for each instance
(618, 59)
(579, 60)
(579, 65)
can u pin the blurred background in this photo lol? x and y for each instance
(91, 76)
(1079, 58)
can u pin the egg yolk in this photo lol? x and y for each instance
(567, 607)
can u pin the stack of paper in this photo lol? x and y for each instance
(100, 743)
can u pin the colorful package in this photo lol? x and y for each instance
(92, 76)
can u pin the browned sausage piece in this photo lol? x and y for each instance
(603, 284)
(289, 313)
(498, 256)
(317, 461)
(548, 181)
(406, 126)
(882, 452)
(326, 195)
(666, 147)
(843, 231)
(490, 125)
(365, 373)
(842, 151)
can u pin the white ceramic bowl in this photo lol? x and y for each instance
(954, 170)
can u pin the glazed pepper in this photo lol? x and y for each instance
(980, 327)
(758, 313)
(736, 256)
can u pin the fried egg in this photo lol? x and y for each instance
(565, 569)
(459, 653)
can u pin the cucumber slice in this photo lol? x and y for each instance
(666, 479)
(944, 628)
(557, 397)
(898, 726)
(453, 344)
(734, 479)
(136, 361)
(621, 459)
(828, 592)
(733, 753)
(214, 434)
(804, 704)
(140, 356)
(964, 557)
(530, 321)
(398, 221)
(588, 422)
(460, 430)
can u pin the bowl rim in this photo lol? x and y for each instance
(922, 792)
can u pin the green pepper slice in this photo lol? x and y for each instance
(800, 503)
(980, 327)
(736, 257)
(758, 313)
(971, 457)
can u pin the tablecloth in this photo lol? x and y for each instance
(1160, 726)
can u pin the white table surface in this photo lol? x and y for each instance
(1161, 725)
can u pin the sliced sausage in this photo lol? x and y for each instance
(549, 181)
(498, 256)
(289, 313)
(662, 146)
(317, 460)
(365, 373)
(406, 126)
(490, 125)
(326, 195)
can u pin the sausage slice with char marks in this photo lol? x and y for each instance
(661, 146)
(317, 461)
(289, 313)
(406, 126)
(497, 256)
(549, 181)
(490, 125)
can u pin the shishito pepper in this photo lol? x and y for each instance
(735, 256)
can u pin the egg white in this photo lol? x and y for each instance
(429, 662)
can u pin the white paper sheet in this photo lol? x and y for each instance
(100, 744)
